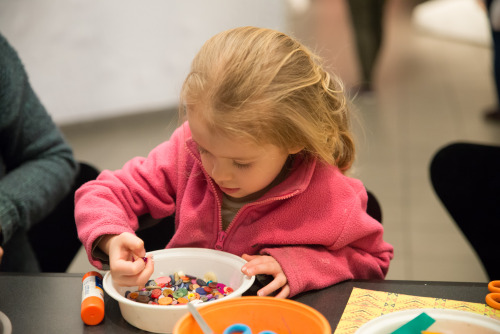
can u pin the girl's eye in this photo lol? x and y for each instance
(238, 165)
(202, 150)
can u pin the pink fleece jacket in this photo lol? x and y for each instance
(314, 223)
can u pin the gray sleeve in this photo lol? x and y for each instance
(37, 167)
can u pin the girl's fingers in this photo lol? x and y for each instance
(134, 244)
(146, 274)
(269, 289)
(127, 253)
(264, 264)
(128, 263)
(284, 293)
(247, 257)
(278, 282)
(261, 265)
(139, 278)
(129, 268)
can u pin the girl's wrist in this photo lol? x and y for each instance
(105, 242)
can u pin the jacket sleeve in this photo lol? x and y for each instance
(359, 252)
(38, 165)
(111, 203)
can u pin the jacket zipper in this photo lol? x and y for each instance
(221, 237)
(219, 206)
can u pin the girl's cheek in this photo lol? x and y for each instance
(207, 164)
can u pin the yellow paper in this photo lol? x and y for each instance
(365, 305)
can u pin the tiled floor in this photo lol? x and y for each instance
(430, 92)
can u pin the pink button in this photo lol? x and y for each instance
(163, 280)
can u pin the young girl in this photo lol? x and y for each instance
(257, 170)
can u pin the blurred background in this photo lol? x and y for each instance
(109, 73)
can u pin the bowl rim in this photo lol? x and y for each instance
(113, 293)
(260, 301)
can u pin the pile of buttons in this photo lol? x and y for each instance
(180, 289)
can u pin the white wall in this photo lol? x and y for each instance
(460, 20)
(91, 59)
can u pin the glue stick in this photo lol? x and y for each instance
(92, 311)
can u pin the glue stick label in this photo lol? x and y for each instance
(92, 286)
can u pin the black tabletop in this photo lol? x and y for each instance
(50, 303)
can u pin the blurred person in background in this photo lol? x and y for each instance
(37, 171)
(367, 17)
(493, 9)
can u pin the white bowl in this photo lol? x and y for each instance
(191, 261)
(447, 321)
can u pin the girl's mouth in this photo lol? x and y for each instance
(229, 190)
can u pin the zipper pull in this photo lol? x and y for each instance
(220, 240)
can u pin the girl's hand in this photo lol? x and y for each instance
(267, 265)
(126, 252)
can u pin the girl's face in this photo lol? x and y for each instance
(239, 168)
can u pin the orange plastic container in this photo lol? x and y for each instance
(259, 313)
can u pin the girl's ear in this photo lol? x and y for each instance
(295, 150)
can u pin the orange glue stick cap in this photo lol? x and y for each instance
(92, 311)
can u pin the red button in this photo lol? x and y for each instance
(156, 293)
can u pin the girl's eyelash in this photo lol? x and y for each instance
(237, 165)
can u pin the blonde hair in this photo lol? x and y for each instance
(266, 86)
